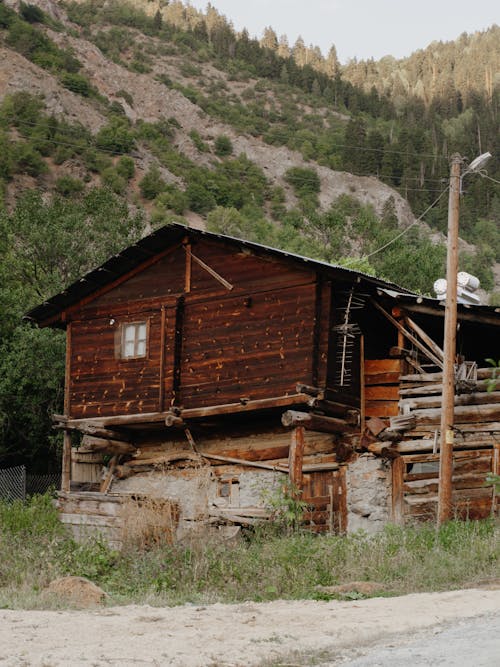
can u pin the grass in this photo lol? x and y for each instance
(35, 548)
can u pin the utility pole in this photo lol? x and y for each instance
(450, 345)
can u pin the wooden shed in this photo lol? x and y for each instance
(203, 371)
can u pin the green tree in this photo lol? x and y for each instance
(152, 183)
(223, 146)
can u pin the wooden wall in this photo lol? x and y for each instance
(207, 345)
(382, 387)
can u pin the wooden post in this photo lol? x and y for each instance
(398, 470)
(315, 422)
(295, 458)
(66, 453)
(161, 391)
(342, 500)
(450, 342)
(187, 281)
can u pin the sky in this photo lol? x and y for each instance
(361, 28)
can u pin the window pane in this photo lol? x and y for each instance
(130, 332)
(129, 349)
(141, 348)
(142, 331)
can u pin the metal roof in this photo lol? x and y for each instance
(159, 240)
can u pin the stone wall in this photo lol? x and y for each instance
(368, 494)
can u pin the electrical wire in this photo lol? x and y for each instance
(483, 174)
(26, 123)
(299, 179)
(386, 245)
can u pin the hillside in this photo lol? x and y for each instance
(116, 118)
(133, 71)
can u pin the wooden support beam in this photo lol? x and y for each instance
(314, 422)
(398, 469)
(139, 419)
(174, 420)
(187, 276)
(94, 444)
(425, 350)
(106, 482)
(242, 462)
(211, 271)
(161, 390)
(342, 500)
(316, 392)
(66, 453)
(295, 459)
(347, 412)
(425, 337)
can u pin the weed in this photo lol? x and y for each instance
(36, 548)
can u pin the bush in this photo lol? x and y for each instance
(223, 146)
(28, 160)
(31, 13)
(126, 167)
(115, 137)
(303, 180)
(198, 141)
(172, 199)
(200, 199)
(152, 183)
(67, 186)
(77, 83)
(112, 179)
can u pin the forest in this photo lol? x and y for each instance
(71, 195)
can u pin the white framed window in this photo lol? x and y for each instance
(134, 340)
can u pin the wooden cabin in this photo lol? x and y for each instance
(203, 372)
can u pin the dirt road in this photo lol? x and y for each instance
(274, 633)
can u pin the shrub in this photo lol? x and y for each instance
(198, 141)
(31, 13)
(200, 199)
(113, 180)
(152, 183)
(115, 137)
(28, 160)
(223, 146)
(303, 180)
(126, 167)
(77, 83)
(67, 186)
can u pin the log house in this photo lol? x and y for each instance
(206, 370)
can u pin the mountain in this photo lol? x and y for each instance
(164, 86)
(118, 117)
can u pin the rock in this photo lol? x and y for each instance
(77, 591)
(362, 587)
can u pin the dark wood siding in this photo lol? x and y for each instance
(104, 384)
(254, 341)
(235, 348)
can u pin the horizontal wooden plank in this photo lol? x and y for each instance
(374, 366)
(384, 393)
(381, 408)
(382, 378)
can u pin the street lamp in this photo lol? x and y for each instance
(450, 335)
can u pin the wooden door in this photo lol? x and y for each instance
(325, 494)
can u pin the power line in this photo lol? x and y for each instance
(386, 245)
(490, 178)
(298, 178)
(352, 147)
